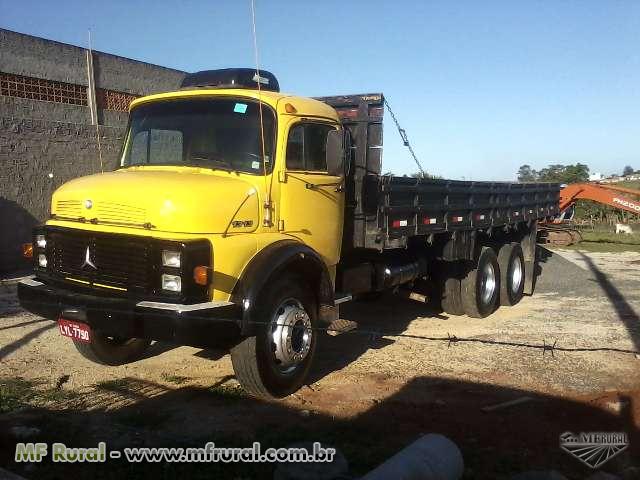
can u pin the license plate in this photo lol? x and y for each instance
(78, 331)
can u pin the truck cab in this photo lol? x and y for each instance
(228, 193)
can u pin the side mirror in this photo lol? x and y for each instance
(335, 153)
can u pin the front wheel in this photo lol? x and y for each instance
(112, 351)
(275, 362)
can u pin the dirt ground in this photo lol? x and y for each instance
(370, 395)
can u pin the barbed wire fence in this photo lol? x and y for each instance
(374, 334)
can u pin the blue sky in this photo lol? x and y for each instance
(481, 87)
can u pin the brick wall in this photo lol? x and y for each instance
(43, 144)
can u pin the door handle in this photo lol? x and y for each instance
(339, 186)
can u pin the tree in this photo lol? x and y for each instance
(576, 173)
(564, 173)
(526, 174)
(628, 170)
(553, 173)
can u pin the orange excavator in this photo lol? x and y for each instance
(560, 233)
(599, 192)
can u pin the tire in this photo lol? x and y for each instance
(481, 286)
(512, 274)
(264, 369)
(112, 351)
(451, 298)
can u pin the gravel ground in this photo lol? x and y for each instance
(367, 385)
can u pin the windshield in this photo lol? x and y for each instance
(211, 133)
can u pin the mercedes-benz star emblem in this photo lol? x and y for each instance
(87, 260)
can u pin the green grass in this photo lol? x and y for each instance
(18, 393)
(175, 379)
(601, 240)
(635, 184)
(115, 385)
(603, 247)
(229, 392)
(610, 237)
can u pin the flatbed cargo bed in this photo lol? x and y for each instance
(383, 211)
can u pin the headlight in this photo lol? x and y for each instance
(173, 283)
(170, 258)
(42, 260)
(41, 242)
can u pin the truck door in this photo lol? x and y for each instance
(312, 201)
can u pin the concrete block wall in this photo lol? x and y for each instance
(44, 144)
(37, 157)
(37, 57)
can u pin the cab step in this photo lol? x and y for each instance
(340, 326)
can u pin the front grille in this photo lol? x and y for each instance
(115, 212)
(106, 212)
(122, 263)
(69, 208)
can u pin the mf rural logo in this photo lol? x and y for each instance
(594, 448)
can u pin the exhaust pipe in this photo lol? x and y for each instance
(394, 275)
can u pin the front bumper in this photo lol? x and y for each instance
(212, 324)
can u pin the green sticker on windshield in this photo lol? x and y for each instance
(240, 108)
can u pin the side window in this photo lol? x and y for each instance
(295, 148)
(307, 147)
(315, 146)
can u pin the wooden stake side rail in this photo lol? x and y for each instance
(411, 206)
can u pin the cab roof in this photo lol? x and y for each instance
(302, 106)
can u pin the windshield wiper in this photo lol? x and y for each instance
(221, 165)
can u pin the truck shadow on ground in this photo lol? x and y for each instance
(134, 412)
(623, 308)
(387, 315)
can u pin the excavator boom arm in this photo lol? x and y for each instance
(605, 194)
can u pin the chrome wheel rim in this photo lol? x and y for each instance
(291, 335)
(516, 274)
(488, 283)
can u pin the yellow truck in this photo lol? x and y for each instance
(241, 217)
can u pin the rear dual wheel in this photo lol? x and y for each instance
(496, 280)
(480, 288)
(451, 299)
(511, 262)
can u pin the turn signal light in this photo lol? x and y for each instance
(27, 250)
(201, 275)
